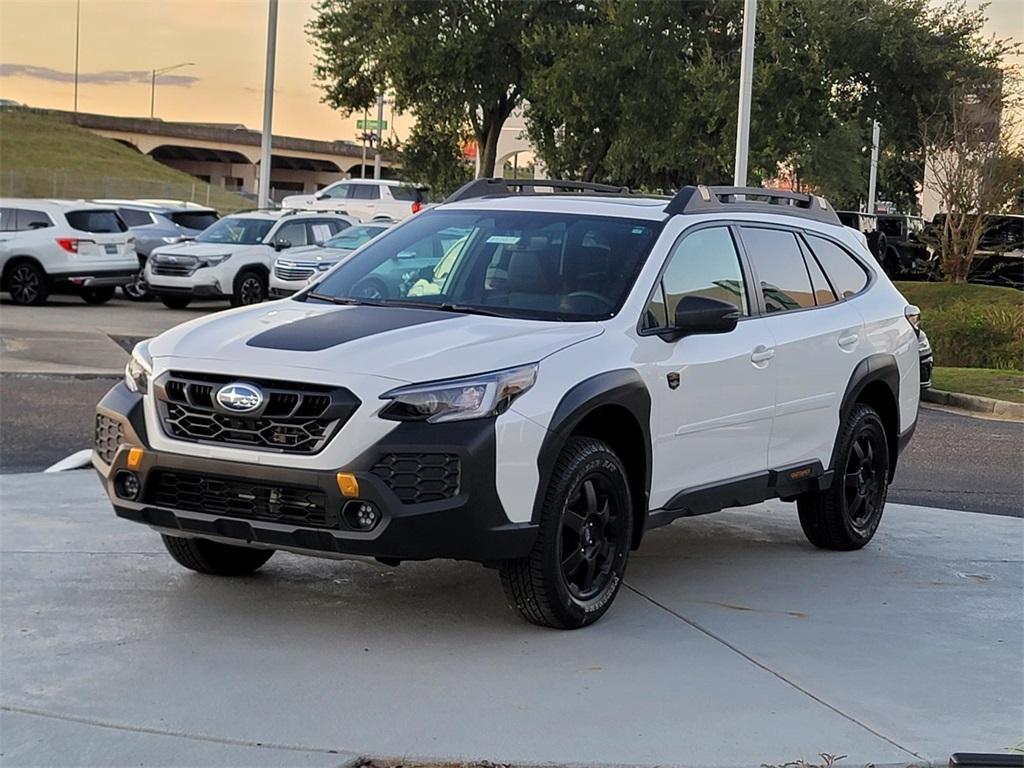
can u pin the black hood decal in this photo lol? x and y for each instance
(332, 328)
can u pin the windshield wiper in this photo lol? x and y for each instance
(344, 300)
(470, 310)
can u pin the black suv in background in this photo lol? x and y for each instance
(905, 255)
(867, 223)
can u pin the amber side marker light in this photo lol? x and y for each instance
(135, 457)
(348, 484)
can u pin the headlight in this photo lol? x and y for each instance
(139, 368)
(474, 397)
(213, 261)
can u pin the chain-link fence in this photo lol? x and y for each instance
(61, 184)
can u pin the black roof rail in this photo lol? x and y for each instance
(497, 187)
(704, 199)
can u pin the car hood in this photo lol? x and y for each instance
(192, 248)
(398, 343)
(314, 253)
(298, 201)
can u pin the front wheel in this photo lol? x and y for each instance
(136, 290)
(250, 288)
(98, 295)
(205, 556)
(575, 569)
(846, 515)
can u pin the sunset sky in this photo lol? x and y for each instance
(122, 40)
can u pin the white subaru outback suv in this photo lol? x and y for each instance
(232, 258)
(582, 368)
(63, 246)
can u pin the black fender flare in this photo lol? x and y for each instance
(878, 367)
(622, 387)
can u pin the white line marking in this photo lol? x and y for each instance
(77, 460)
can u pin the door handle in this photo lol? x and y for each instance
(761, 354)
(848, 339)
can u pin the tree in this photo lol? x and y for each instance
(433, 154)
(974, 166)
(465, 59)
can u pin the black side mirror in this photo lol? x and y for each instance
(701, 314)
(280, 245)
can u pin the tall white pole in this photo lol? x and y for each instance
(876, 131)
(268, 107)
(380, 134)
(78, 27)
(739, 176)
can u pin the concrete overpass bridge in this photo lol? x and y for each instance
(229, 155)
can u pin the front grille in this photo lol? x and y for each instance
(295, 418)
(108, 437)
(420, 477)
(233, 497)
(172, 270)
(294, 271)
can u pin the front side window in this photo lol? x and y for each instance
(846, 275)
(337, 192)
(704, 264)
(780, 268)
(97, 222)
(293, 233)
(236, 230)
(534, 265)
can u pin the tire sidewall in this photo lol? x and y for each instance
(863, 421)
(583, 612)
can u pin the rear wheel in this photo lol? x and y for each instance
(575, 569)
(175, 302)
(212, 557)
(98, 295)
(846, 515)
(250, 288)
(26, 282)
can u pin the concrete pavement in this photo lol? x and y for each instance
(734, 644)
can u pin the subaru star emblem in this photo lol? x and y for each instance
(240, 398)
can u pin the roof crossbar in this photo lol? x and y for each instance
(703, 199)
(505, 187)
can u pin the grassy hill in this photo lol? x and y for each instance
(44, 157)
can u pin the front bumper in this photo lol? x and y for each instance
(471, 525)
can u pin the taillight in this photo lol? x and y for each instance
(417, 206)
(71, 244)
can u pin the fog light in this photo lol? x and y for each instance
(361, 515)
(127, 485)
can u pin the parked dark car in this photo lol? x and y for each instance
(867, 223)
(155, 223)
(906, 254)
(999, 258)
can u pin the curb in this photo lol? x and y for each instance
(1002, 408)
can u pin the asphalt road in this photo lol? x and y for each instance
(954, 461)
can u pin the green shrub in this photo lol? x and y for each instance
(971, 326)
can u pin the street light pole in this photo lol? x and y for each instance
(152, 83)
(78, 28)
(268, 107)
(739, 178)
(876, 131)
(380, 134)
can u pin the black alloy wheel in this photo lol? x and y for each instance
(27, 284)
(591, 537)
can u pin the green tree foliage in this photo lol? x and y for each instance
(433, 154)
(644, 92)
(466, 59)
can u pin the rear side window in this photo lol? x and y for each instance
(407, 194)
(822, 290)
(779, 265)
(319, 231)
(193, 219)
(704, 264)
(97, 222)
(364, 192)
(844, 272)
(135, 218)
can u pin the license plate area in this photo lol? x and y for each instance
(110, 249)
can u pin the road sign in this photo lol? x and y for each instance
(370, 125)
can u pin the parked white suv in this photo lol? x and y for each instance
(63, 246)
(232, 258)
(577, 370)
(366, 199)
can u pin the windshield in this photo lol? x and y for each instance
(238, 230)
(353, 237)
(552, 266)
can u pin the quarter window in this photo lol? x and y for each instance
(780, 267)
(846, 275)
(135, 218)
(705, 264)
